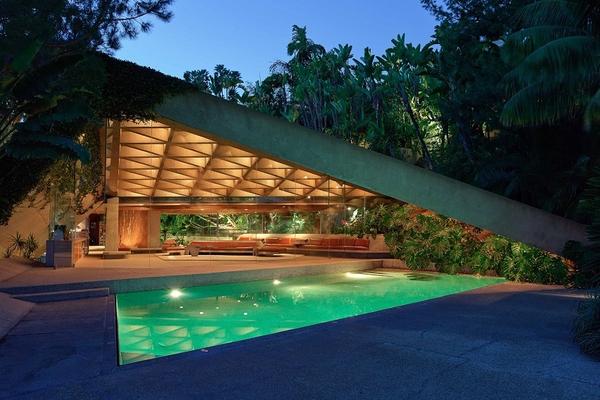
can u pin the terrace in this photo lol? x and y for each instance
(265, 292)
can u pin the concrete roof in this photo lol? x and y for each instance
(278, 139)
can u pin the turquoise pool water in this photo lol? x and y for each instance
(159, 323)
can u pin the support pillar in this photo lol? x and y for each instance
(153, 228)
(112, 224)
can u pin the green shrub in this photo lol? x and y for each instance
(530, 264)
(586, 328)
(491, 255)
(430, 241)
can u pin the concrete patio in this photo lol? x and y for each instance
(509, 341)
(146, 272)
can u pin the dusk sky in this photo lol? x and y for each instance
(249, 36)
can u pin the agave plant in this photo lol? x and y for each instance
(30, 246)
(17, 243)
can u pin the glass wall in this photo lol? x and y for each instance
(229, 226)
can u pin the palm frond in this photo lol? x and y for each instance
(544, 12)
(574, 56)
(538, 104)
(520, 44)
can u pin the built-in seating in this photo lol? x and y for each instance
(224, 246)
(171, 246)
(110, 255)
(281, 243)
(342, 246)
(338, 243)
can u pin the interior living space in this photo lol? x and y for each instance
(236, 201)
(403, 202)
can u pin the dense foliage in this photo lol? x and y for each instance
(587, 325)
(184, 226)
(457, 105)
(51, 81)
(424, 240)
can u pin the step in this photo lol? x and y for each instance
(11, 312)
(46, 297)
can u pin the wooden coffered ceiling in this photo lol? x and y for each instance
(151, 159)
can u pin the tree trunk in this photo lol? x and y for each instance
(413, 118)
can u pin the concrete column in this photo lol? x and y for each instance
(112, 224)
(153, 228)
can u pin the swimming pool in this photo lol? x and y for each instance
(159, 323)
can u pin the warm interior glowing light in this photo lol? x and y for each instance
(354, 275)
(175, 293)
(276, 282)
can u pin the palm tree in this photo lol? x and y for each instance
(405, 65)
(556, 54)
(302, 49)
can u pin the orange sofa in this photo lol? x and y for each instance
(283, 242)
(338, 244)
(171, 245)
(226, 246)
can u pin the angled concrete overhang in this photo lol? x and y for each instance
(276, 138)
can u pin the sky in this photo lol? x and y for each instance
(249, 35)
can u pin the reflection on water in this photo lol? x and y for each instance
(158, 323)
(415, 276)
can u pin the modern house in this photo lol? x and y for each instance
(203, 155)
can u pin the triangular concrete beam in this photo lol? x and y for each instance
(292, 143)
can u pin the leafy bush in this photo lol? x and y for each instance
(425, 240)
(586, 327)
(587, 257)
(371, 222)
(491, 255)
(530, 264)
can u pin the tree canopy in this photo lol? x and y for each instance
(52, 84)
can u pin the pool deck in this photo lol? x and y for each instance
(508, 341)
(148, 272)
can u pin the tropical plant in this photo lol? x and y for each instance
(586, 327)
(404, 66)
(8, 252)
(529, 264)
(556, 73)
(491, 256)
(223, 82)
(17, 243)
(587, 257)
(30, 246)
(51, 80)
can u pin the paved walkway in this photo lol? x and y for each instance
(148, 266)
(508, 341)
